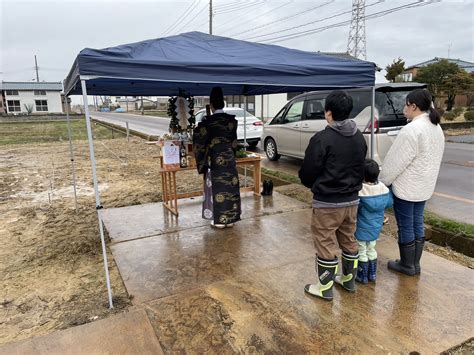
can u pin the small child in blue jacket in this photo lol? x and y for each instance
(374, 198)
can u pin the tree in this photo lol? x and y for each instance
(394, 69)
(458, 83)
(29, 108)
(438, 76)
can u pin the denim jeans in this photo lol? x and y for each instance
(409, 216)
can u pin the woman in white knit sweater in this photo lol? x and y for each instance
(411, 167)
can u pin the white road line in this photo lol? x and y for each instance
(456, 198)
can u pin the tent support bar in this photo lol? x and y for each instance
(372, 124)
(71, 152)
(96, 190)
(245, 136)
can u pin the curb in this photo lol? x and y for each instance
(458, 242)
(124, 130)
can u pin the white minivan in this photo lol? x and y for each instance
(289, 132)
(253, 128)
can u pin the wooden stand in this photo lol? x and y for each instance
(168, 182)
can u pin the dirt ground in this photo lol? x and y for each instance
(50, 259)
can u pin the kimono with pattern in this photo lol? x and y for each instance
(215, 141)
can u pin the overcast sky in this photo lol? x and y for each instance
(57, 30)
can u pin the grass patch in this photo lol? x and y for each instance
(155, 113)
(282, 175)
(449, 225)
(52, 131)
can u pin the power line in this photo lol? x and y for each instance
(253, 18)
(180, 18)
(309, 23)
(282, 19)
(230, 4)
(340, 24)
(192, 19)
(320, 29)
(226, 8)
(201, 24)
(241, 7)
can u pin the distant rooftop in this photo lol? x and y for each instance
(344, 55)
(467, 66)
(31, 85)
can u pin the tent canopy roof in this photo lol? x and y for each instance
(195, 62)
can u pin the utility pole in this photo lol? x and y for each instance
(210, 17)
(36, 68)
(143, 112)
(356, 42)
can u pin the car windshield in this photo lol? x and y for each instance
(390, 104)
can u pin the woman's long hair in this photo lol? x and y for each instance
(423, 100)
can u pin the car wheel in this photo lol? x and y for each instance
(271, 150)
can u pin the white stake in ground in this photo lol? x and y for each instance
(71, 152)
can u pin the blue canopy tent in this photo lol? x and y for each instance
(195, 62)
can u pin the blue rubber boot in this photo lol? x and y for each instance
(372, 270)
(363, 272)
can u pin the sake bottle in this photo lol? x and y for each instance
(183, 159)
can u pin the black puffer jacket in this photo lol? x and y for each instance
(333, 165)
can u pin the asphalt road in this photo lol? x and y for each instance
(454, 192)
(151, 125)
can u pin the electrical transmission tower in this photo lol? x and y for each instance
(356, 42)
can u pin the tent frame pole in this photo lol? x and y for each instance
(96, 190)
(71, 152)
(245, 122)
(372, 122)
(245, 136)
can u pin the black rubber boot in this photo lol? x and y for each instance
(349, 271)
(326, 270)
(265, 188)
(419, 244)
(270, 187)
(406, 263)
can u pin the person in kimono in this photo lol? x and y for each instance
(215, 142)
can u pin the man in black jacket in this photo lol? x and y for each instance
(333, 168)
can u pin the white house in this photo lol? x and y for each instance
(22, 97)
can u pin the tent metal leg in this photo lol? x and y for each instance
(71, 152)
(245, 138)
(96, 190)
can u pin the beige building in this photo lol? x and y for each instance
(461, 100)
